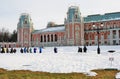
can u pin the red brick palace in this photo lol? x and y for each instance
(76, 30)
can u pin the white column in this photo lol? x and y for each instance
(50, 37)
(46, 41)
(22, 36)
(102, 39)
(43, 40)
(82, 32)
(18, 36)
(53, 37)
(117, 36)
(46, 38)
(111, 37)
(59, 39)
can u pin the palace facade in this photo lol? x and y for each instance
(76, 30)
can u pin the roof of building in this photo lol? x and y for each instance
(57, 28)
(105, 17)
(25, 19)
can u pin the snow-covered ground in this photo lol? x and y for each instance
(65, 61)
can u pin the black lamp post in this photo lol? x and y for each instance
(98, 49)
(97, 29)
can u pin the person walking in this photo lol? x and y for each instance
(2, 50)
(5, 50)
(85, 49)
(30, 50)
(11, 50)
(79, 49)
(14, 50)
(35, 49)
(21, 50)
(25, 50)
(40, 50)
(55, 50)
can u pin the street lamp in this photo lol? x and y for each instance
(97, 28)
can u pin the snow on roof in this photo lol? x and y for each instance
(51, 29)
(105, 17)
(102, 20)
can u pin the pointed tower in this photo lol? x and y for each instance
(24, 28)
(74, 27)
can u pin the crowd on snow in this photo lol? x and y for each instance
(30, 50)
(23, 50)
(34, 50)
(7, 50)
(82, 50)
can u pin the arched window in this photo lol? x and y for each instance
(51, 38)
(41, 39)
(55, 37)
(48, 37)
(44, 38)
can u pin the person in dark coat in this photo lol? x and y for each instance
(55, 50)
(2, 50)
(35, 49)
(14, 50)
(21, 50)
(79, 49)
(25, 50)
(11, 50)
(85, 49)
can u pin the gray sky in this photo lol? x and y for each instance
(43, 11)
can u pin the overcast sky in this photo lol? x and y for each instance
(44, 11)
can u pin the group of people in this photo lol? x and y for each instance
(30, 50)
(34, 50)
(7, 50)
(82, 50)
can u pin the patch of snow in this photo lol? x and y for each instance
(67, 60)
(52, 29)
(90, 73)
(118, 76)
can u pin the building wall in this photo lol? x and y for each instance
(48, 39)
(109, 33)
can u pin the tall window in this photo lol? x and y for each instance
(41, 39)
(55, 37)
(114, 34)
(48, 38)
(119, 33)
(51, 38)
(114, 42)
(44, 38)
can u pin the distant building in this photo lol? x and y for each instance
(76, 30)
